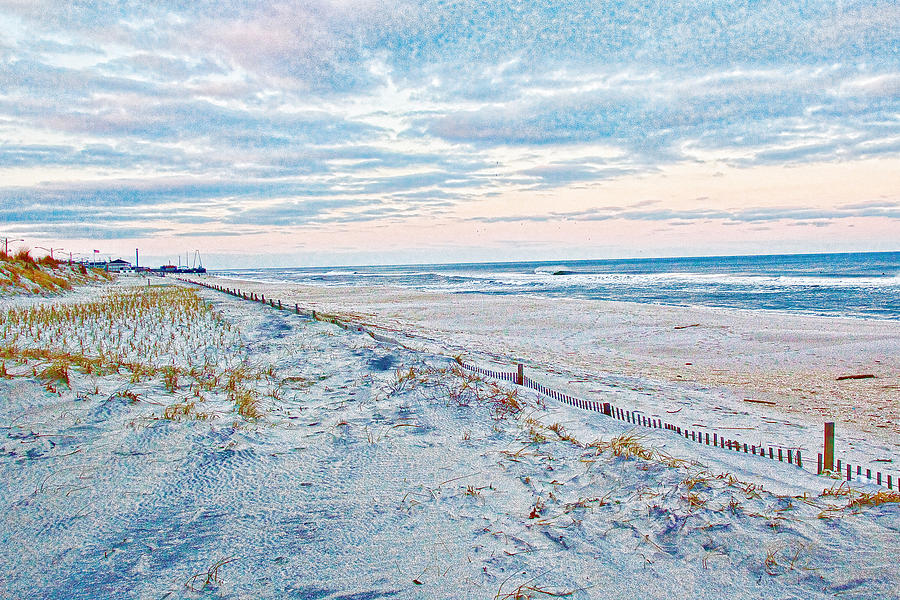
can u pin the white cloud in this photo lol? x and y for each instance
(401, 102)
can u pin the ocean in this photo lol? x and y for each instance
(850, 284)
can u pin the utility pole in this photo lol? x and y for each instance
(50, 250)
(6, 242)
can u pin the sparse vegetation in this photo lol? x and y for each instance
(460, 388)
(202, 581)
(856, 500)
(133, 332)
(628, 445)
(20, 273)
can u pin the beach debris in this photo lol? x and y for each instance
(210, 578)
(861, 376)
(686, 326)
(766, 402)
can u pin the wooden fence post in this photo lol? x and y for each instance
(520, 374)
(829, 447)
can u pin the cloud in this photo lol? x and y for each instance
(100, 231)
(559, 174)
(728, 216)
(332, 110)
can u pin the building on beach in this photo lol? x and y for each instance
(118, 265)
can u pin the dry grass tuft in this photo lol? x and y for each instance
(23, 255)
(55, 375)
(209, 578)
(170, 379)
(782, 559)
(130, 396)
(560, 431)
(842, 489)
(457, 387)
(628, 445)
(175, 411)
(876, 499)
(857, 500)
(185, 410)
(247, 404)
(694, 500)
(530, 591)
(625, 446)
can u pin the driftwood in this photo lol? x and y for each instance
(865, 376)
(686, 326)
(768, 402)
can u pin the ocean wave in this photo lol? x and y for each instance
(558, 270)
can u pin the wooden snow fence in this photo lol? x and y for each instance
(277, 304)
(791, 456)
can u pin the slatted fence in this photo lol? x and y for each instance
(789, 455)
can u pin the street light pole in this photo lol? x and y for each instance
(50, 250)
(6, 242)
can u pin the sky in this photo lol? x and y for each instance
(339, 132)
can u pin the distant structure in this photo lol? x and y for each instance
(123, 266)
(197, 268)
(118, 265)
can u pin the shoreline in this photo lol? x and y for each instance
(301, 452)
(284, 283)
(793, 360)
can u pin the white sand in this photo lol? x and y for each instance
(792, 360)
(353, 485)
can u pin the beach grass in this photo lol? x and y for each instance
(21, 273)
(167, 333)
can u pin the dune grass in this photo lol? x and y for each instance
(166, 333)
(20, 273)
(458, 387)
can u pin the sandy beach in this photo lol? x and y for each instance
(168, 441)
(793, 361)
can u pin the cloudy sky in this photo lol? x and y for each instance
(347, 132)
